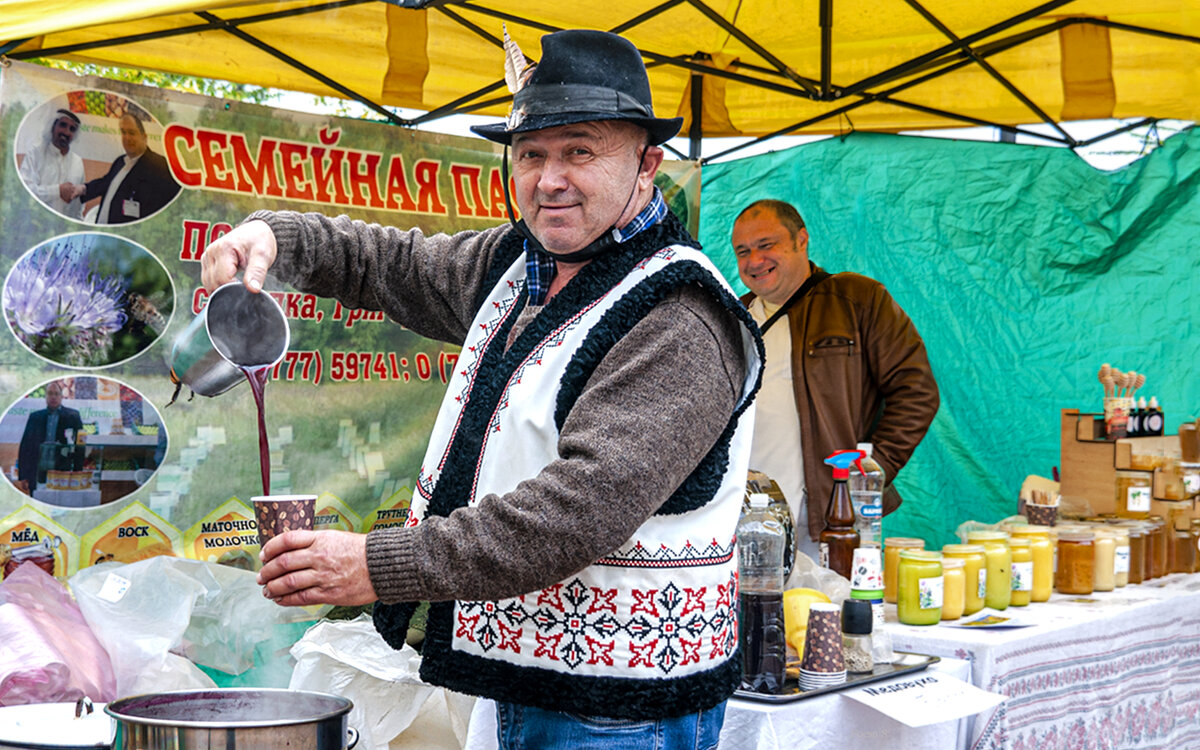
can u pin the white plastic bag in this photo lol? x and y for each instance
(349, 658)
(161, 617)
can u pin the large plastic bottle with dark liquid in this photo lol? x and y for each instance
(761, 541)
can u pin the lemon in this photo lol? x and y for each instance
(795, 614)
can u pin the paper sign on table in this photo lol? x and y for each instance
(988, 619)
(921, 699)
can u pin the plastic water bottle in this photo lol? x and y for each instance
(866, 495)
(761, 541)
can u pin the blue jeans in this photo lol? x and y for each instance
(526, 728)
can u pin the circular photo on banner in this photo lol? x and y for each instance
(95, 157)
(88, 300)
(81, 441)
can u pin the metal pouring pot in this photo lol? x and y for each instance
(229, 718)
(236, 329)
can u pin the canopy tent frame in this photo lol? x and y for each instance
(775, 75)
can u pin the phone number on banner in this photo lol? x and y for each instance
(352, 367)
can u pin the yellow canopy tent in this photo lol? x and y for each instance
(754, 68)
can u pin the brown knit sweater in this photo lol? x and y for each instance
(652, 409)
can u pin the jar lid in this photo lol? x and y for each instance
(857, 617)
(1031, 529)
(1076, 536)
(920, 554)
(963, 549)
(903, 541)
(1021, 542)
(1120, 532)
(986, 536)
(953, 562)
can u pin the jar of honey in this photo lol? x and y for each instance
(1194, 530)
(1022, 571)
(999, 566)
(1133, 494)
(1137, 553)
(1184, 547)
(974, 573)
(1121, 555)
(1042, 550)
(919, 587)
(954, 588)
(1076, 562)
(891, 559)
(1104, 548)
(1159, 548)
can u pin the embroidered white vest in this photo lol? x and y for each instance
(662, 605)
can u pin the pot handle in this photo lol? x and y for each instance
(351, 737)
(82, 704)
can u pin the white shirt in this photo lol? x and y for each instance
(44, 168)
(102, 214)
(776, 447)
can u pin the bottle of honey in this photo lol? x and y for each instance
(839, 538)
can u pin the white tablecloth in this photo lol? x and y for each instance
(825, 721)
(1117, 669)
(68, 498)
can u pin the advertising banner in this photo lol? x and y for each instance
(110, 194)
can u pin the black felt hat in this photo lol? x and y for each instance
(584, 76)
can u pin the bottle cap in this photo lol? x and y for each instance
(1154, 402)
(869, 595)
(866, 448)
(1142, 402)
(857, 617)
(759, 500)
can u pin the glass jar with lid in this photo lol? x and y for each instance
(1022, 571)
(1133, 494)
(1184, 546)
(891, 560)
(954, 588)
(1076, 562)
(1159, 547)
(1121, 555)
(999, 566)
(1137, 552)
(919, 587)
(1042, 549)
(974, 574)
(1104, 548)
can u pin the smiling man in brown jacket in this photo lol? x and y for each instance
(848, 360)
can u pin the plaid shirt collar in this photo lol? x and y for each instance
(540, 267)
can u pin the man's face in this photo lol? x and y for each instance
(53, 397)
(573, 182)
(770, 261)
(132, 139)
(63, 133)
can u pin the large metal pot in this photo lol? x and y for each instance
(228, 718)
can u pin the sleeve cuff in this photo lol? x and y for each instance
(392, 565)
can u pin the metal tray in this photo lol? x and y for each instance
(905, 663)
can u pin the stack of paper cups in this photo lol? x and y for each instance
(866, 580)
(823, 663)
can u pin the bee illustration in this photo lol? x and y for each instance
(146, 310)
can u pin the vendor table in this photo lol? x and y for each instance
(1117, 669)
(823, 721)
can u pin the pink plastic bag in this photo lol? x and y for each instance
(50, 654)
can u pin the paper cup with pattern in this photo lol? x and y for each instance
(276, 514)
(823, 641)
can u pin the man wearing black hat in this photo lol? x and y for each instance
(51, 169)
(573, 521)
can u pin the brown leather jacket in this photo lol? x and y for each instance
(861, 374)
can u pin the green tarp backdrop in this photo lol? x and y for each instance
(1024, 269)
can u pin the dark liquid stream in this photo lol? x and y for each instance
(258, 381)
(764, 645)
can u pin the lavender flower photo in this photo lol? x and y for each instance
(88, 300)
